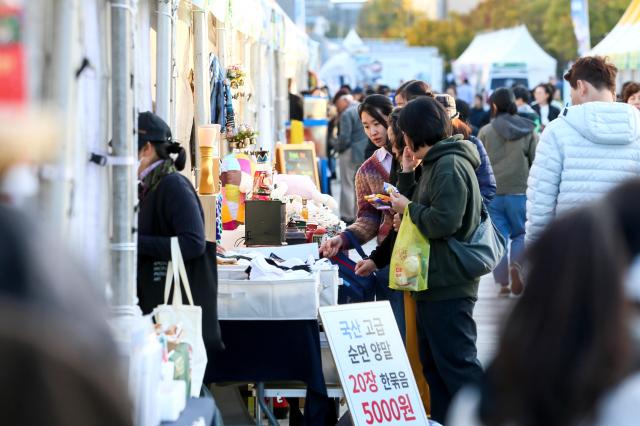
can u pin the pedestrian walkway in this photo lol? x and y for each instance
(489, 314)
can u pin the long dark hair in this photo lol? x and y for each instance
(165, 149)
(566, 342)
(548, 90)
(379, 107)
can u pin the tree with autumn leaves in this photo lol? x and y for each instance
(549, 22)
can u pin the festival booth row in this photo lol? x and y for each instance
(265, 209)
(260, 199)
(262, 208)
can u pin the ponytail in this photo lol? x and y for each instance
(165, 149)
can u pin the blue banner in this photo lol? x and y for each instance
(580, 18)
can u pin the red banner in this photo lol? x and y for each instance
(12, 61)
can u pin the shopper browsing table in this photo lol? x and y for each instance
(445, 203)
(370, 178)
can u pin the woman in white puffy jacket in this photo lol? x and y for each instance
(591, 147)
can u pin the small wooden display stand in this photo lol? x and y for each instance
(209, 207)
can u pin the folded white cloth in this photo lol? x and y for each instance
(262, 271)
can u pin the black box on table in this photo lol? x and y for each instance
(265, 223)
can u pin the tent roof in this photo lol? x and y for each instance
(624, 37)
(507, 45)
(353, 43)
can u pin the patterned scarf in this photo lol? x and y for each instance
(151, 181)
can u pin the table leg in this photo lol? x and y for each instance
(261, 405)
(258, 410)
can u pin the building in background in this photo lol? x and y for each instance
(316, 9)
(439, 9)
(296, 9)
(341, 15)
(370, 62)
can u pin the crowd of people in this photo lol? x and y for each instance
(560, 184)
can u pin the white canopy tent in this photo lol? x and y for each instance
(622, 44)
(510, 45)
(340, 69)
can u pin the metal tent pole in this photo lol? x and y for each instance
(163, 61)
(201, 74)
(123, 243)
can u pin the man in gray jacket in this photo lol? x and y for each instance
(350, 146)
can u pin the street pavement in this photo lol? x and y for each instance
(490, 313)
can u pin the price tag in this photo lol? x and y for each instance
(373, 365)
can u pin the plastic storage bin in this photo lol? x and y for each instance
(268, 300)
(232, 272)
(329, 282)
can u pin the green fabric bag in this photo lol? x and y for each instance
(410, 259)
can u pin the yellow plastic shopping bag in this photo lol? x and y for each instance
(410, 258)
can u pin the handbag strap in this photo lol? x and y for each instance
(484, 216)
(354, 243)
(176, 273)
(171, 278)
(175, 248)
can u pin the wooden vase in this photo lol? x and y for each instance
(209, 171)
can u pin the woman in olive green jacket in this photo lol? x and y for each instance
(445, 203)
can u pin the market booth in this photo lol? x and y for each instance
(255, 191)
(621, 45)
(511, 45)
(217, 75)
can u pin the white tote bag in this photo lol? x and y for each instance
(188, 316)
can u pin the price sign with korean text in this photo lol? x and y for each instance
(373, 365)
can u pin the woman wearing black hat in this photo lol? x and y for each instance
(169, 205)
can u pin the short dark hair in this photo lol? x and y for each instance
(503, 101)
(340, 93)
(463, 109)
(425, 121)
(414, 89)
(378, 107)
(521, 92)
(630, 89)
(596, 70)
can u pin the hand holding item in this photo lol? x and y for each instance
(365, 267)
(331, 247)
(397, 219)
(399, 202)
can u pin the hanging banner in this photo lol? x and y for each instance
(580, 18)
(13, 87)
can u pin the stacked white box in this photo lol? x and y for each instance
(268, 300)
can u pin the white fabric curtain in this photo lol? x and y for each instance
(89, 221)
